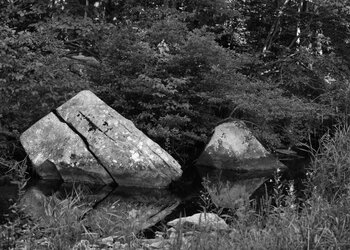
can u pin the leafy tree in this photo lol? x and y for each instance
(179, 67)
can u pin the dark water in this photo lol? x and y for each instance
(8, 196)
(227, 189)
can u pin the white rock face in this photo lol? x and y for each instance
(205, 221)
(237, 140)
(86, 130)
(57, 152)
(234, 147)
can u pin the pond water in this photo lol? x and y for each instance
(8, 195)
(226, 188)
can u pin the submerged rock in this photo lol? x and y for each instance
(85, 140)
(234, 147)
(37, 200)
(33, 203)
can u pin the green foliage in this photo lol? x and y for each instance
(178, 68)
(35, 77)
(156, 82)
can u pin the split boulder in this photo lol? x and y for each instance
(85, 140)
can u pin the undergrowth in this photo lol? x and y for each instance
(282, 220)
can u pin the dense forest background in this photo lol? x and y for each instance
(177, 68)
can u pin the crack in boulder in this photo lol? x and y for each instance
(94, 126)
(85, 132)
(82, 137)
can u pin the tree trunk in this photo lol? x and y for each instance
(296, 40)
(275, 27)
(318, 42)
(86, 9)
(298, 31)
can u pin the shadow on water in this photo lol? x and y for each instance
(8, 196)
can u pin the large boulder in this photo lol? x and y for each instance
(85, 140)
(234, 147)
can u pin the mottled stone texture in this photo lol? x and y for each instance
(234, 147)
(57, 152)
(90, 130)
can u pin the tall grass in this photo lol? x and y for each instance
(14, 170)
(320, 221)
(59, 226)
(330, 171)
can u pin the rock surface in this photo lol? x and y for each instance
(33, 203)
(36, 199)
(203, 221)
(234, 147)
(57, 152)
(87, 141)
